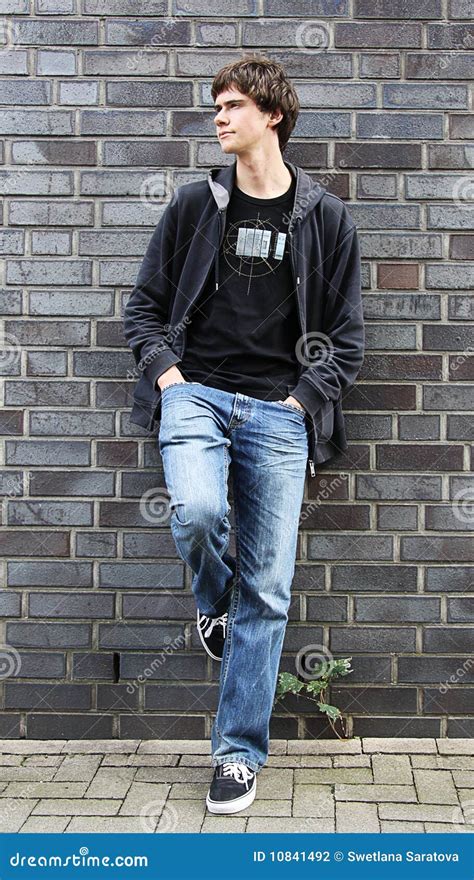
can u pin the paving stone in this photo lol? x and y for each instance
(182, 817)
(324, 746)
(466, 796)
(357, 818)
(45, 789)
(419, 812)
(402, 827)
(268, 807)
(394, 745)
(374, 793)
(189, 790)
(27, 774)
(194, 760)
(297, 825)
(460, 746)
(463, 779)
(223, 825)
(435, 787)
(107, 825)
(32, 746)
(175, 747)
(313, 800)
(88, 746)
(111, 782)
(313, 760)
(41, 760)
(142, 786)
(275, 784)
(443, 762)
(334, 774)
(13, 813)
(45, 824)
(77, 768)
(77, 807)
(439, 828)
(140, 760)
(143, 796)
(351, 761)
(174, 774)
(298, 761)
(392, 769)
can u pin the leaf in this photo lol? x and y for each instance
(332, 711)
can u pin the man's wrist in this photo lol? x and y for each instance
(295, 402)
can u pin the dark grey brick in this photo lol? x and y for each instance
(43, 696)
(64, 605)
(49, 574)
(73, 726)
(393, 609)
(141, 575)
(49, 635)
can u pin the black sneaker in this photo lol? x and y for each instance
(233, 788)
(212, 632)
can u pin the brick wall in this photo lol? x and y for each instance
(106, 108)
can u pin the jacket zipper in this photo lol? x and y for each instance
(183, 347)
(296, 278)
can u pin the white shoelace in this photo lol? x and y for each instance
(216, 620)
(240, 772)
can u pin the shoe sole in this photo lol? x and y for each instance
(223, 807)
(203, 642)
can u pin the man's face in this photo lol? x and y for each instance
(239, 115)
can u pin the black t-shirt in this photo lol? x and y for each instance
(242, 337)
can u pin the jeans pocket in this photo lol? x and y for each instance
(291, 407)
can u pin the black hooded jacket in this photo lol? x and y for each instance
(325, 260)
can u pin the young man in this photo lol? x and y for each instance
(246, 325)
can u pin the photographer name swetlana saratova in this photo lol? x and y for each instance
(325, 263)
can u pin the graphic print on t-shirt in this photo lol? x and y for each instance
(254, 249)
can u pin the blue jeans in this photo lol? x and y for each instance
(203, 429)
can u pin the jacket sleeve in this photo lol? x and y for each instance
(147, 309)
(341, 341)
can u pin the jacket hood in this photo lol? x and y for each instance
(307, 195)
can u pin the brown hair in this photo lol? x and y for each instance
(265, 82)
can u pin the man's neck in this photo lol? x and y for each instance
(262, 177)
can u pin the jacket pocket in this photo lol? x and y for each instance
(143, 412)
(324, 420)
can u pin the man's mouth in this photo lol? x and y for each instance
(225, 133)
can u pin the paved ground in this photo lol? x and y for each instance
(363, 785)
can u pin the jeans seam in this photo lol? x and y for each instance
(291, 406)
(236, 757)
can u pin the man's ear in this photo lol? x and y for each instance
(276, 117)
